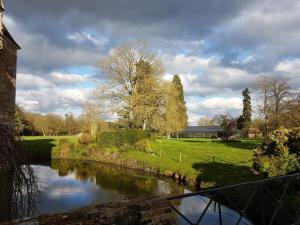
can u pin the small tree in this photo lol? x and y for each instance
(20, 123)
(228, 123)
(70, 124)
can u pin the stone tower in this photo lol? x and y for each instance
(8, 64)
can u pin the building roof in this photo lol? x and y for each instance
(203, 129)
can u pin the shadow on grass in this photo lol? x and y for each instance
(222, 174)
(249, 145)
(38, 148)
(197, 141)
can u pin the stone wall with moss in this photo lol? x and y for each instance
(8, 61)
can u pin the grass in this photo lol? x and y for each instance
(231, 165)
(42, 146)
(232, 159)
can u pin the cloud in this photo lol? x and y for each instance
(58, 100)
(168, 18)
(291, 67)
(53, 92)
(29, 81)
(207, 76)
(209, 107)
(217, 47)
(68, 79)
(40, 54)
(268, 29)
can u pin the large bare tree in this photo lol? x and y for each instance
(133, 72)
(274, 93)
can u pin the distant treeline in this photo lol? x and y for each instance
(35, 124)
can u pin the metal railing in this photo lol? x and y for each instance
(273, 201)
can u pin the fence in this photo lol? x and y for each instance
(274, 201)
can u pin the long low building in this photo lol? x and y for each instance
(202, 132)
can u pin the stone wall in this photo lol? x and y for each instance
(8, 61)
(148, 211)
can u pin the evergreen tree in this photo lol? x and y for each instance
(182, 111)
(19, 121)
(244, 121)
(177, 83)
(22, 125)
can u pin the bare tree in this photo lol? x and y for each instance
(273, 94)
(205, 121)
(228, 124)
(91, 119)
(128, 69)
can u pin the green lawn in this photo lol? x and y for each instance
(41, 147)
(197, 155)
(228, 168)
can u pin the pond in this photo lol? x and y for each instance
(67, 185)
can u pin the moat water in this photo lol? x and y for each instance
(67, 185)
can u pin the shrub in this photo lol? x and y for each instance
(65, 148)
(143, 145)
(121, 137)
(92, 147)
(294, 141)
(110, 151)
(277, 155)
(278, 166)
(84, 139)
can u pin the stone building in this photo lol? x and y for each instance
(8, 64)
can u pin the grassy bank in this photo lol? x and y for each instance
(214, 162)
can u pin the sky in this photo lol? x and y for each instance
(218, 47)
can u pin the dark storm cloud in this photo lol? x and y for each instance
(50, 24)
(267, 29)
(186, 18)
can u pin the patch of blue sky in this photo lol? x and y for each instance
(81, 70)
(242, 55)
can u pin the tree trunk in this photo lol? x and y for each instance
(145, 125)
(43, 132)
(169, 135)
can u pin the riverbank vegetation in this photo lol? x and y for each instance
(214, 163)
(146, 105)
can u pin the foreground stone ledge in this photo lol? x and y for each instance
(146, 211)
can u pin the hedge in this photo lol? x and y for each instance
(121, 137)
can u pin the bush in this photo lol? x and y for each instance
(65, 148)
(278, 154)
(84, 139)
(92, 147)
(278, 166)
(121, 138)
(294, 141)
(143, 145)
(111, 151)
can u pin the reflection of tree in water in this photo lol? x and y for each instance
(125, 182)
(19, 185)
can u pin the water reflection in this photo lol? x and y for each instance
(69, 185)
(74, 184)
(192, 207)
